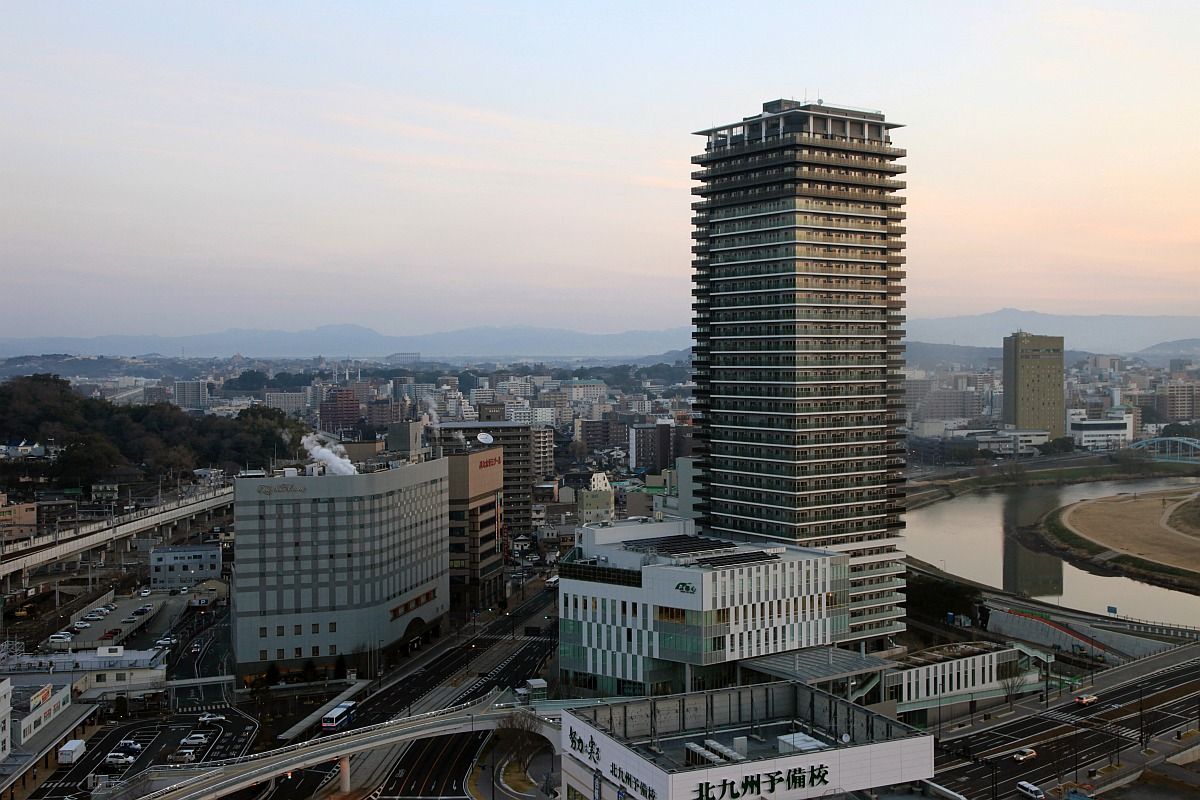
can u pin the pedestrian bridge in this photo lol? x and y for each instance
(221, 778)
(1174, 449)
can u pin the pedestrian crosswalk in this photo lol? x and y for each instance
(1090, 723)
(197, 709)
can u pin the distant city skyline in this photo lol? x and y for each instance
(190, 169)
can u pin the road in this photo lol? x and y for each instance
(397, 700)
(452, 758)
(1067, 734)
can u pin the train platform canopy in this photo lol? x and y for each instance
(818, 665)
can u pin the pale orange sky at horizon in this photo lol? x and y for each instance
(417, 169)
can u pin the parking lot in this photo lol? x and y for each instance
(227, 738)
(115, 627)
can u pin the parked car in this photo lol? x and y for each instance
(129, 746)
(209, 717)
(182, 757)
(60, 638)
(80, 625)
(1024, 754)
(144, 592)
(93, 617)
(115, 759)
(194, 739)
(110, 606)
(129, 620)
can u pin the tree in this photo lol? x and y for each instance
(1012, 680)
(1013, 471)
(578, 449)
(1131, 460)
(1063, 444)
(250, 380)
(519, 735)
(309, 671)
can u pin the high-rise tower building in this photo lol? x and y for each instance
(798, 313)
(1033, 383)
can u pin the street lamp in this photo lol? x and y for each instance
(941, 689)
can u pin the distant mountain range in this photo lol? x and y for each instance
(1153, 337)
(926, 355)
(1102, 333)
(356, 341)
(1180, 348)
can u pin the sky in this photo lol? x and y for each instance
(176, 168)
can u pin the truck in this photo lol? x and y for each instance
(72, 751)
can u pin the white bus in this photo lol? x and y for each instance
(339, 716)
(552, 582)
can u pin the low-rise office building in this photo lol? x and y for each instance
(770, 741)
(173, 566)
(327, 566)
(652, 608)
(955, 679)
(1114, 431)
(476, 517)
(93, 674)
(34, 707)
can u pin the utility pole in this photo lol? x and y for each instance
(1142, 717)
(1075, 745)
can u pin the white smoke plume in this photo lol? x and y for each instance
(334, 458)
(430, 404)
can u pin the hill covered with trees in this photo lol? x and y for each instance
(100, 440)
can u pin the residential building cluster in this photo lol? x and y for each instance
(1031, 401)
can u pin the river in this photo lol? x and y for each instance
(970, 536)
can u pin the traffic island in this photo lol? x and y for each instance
(514, 778)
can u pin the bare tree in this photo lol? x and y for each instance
(1012, 680)
(519, 735)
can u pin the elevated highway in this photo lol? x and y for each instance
(22, 558)
(221, 778)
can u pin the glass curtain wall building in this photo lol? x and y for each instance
(798, 277)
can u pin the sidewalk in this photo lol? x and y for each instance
(1109, 679)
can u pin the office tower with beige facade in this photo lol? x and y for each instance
(798, 276)
(476, 519)
(1033, 383)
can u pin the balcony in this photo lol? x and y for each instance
(771, 158)
(820, 140)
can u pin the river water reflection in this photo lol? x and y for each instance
(968, 536)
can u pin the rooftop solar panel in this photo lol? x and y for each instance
(678, 545)
(737, 559)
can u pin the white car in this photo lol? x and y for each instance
(194, 739)
(130, 745)
(119, 759)
(209, 717)
(144, 593)
(80, 625)
(163, 643)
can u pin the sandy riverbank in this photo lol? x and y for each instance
(1138, 525)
